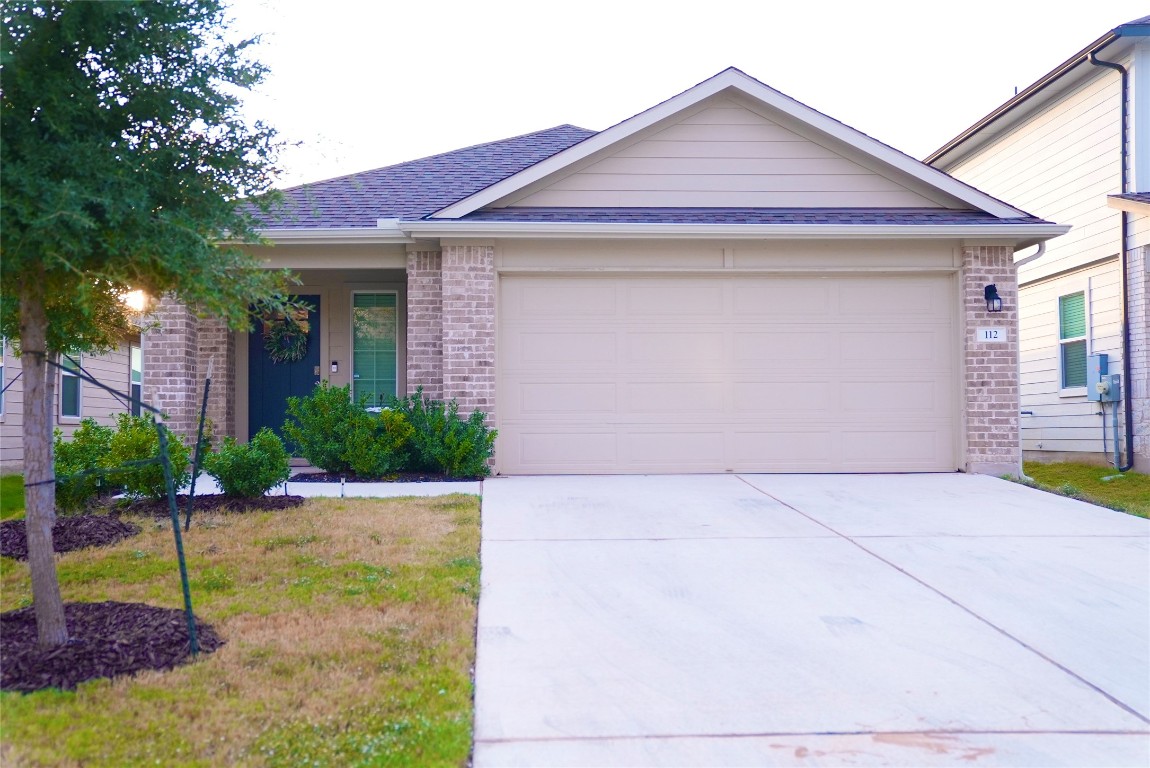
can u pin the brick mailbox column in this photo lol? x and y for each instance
(425, 323)
(469, 327)
(990, 384)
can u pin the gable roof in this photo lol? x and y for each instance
(1032, 96)
(416, 188)
(732, 80)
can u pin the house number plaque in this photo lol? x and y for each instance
(992, 334)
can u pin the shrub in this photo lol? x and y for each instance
(136, 440)
(252, 469)
(85, 452)
(322, 422)
(377, 444)
(442, 441)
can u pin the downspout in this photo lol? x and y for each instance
(1128, 409)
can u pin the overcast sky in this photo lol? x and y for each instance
(359, 84)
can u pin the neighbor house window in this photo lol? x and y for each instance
(136, 357)
(3, 383)
(1072, 339)
(374, 333)
(70, 386)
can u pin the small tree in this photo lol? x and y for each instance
(125, 163)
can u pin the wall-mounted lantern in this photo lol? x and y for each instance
(993, 300)
(335, 366)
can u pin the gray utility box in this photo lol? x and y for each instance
(1102, 385)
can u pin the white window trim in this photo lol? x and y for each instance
(3, 376)
(69, 419)
(131, 346)
(351, 335)
(1085, 290)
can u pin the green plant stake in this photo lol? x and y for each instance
(199, 445)
(166, 464)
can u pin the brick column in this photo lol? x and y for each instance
(1138, 388)
(218, 344)
(170, 352)
(469, 327)
(990, 385)
(425, 323)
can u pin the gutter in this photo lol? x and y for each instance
(1128, 405)
(1024, 235)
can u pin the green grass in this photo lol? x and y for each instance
(11, 496)
(1126, 492)
(350, 639)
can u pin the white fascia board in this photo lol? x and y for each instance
(369, 235)
(1130, 206)
(1020, 233)
(733, 78)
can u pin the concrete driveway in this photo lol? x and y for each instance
(766, 620)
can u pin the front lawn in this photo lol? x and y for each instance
(11, 496)
(349, 628)
(1128, 492)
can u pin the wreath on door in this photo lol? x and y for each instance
(286, 337)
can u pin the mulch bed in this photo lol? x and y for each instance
(107, 640)
(211, 502)
(401, 477)
(70, 532)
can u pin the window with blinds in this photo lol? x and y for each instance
(1072, 339)
(69, 386)
(374, 360)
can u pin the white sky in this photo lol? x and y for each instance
(360, 84)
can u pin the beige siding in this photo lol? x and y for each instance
(111, 369)
(1060, 164)
(1066, 420)
(724, 156)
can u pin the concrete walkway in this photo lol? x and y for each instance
(766, 620)
(205, 484)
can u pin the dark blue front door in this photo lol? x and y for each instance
(271, 383)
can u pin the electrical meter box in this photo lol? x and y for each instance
(1110, 388)
(1097, 369)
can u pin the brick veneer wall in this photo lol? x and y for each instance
(1138, 388)
(170, 352)
(469, 327)
(990, 382)
(217, 345)
(425, 323)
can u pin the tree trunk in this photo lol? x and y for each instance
(39, 474)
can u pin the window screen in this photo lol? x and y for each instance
(69, 387)
(1072, 338)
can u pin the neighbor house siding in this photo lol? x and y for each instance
(724, 155)
(1060, 164)
(110, 369)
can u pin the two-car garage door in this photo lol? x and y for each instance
(636, 373)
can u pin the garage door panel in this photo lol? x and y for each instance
(784, 346)
(561, 349)
(675, 299)
(672, 351)
(783, 299)
(762, 374)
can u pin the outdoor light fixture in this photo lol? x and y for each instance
(993, 300)
(335, 366)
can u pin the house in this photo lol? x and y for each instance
(727, 281)
(75, 399)
(1074, 147)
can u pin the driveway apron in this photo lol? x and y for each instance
(918, 620)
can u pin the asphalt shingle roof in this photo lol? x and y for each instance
(1134, 197)
(417, 188)
(900, 216)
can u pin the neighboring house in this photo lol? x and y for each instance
(120, 369)
(1058, 149)
(727, 281)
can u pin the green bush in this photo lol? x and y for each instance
(136, 440)
(444, 442)
(377, 444)
(322, 423)
(252, 469)
(85, 452)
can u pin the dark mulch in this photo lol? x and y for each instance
(107, 640)
(401, 477)
(70, 533)
(211, 502)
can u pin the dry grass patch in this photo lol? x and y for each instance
(349, 628)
